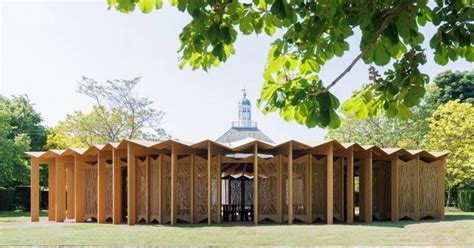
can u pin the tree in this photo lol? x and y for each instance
(21, 130)
(452, 129)
(118, 113)
(453, 85)
(316, 31)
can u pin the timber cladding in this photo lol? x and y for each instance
(250, 181)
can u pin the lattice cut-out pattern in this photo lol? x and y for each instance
(142, 189)
(338, 190)
(406, 196)
(166, 193)
(154, 182)
(267, 187)
(319, 191)
(200, 188)
(90, 192)
(429, 183)
(300, 188)
(108, 191)
(183, 189)
(381, 190)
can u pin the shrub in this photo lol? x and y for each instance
(22, 198)
(466, 199)
(6, 199)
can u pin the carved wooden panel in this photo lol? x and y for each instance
(267, 186)
(319, 188)
(142, 189)
(166, 191)
(338, 183)
(215, 175)
(300, 188)
(200, 188)
(90, 191)
(108, 191)
(285, 188)
(429, 196)
(406, 194)
(154, 182)
(381, 190)
(183, 189)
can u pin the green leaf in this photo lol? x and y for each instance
(246, 26)
(335, 121)
(381, 57)
(392, 110)
(158, 4)
(146, 6)
(403, 112)
(173, 2)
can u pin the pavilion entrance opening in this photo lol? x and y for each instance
(237, 192)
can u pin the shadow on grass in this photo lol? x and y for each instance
(19, 213)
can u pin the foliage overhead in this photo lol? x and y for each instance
(452, 129)
(454, 85)
(314, 32)
(21, 130)
(118, 113)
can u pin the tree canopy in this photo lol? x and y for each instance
(453, 85)
(21, 130)
(314, 32)
(118, 113)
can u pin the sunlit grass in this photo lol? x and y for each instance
(457, 229)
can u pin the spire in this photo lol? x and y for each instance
(245, 113)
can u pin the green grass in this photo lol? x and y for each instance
(456, 229)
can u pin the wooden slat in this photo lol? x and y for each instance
(279, 189)
(395, 212)
(192, 189)
(132, 185)
(350, 185)
(441, 188)
(78, 188)
(209, 184)
(173, 184)
(290, 183)
(35, 205)
(116, 187)
(60, 191)
(70, 192)
(101, 188)
(218, 188)
(160, 188)
(309, 191)
(255, 184)
(52, 190)
(417, 187)
(330, 186)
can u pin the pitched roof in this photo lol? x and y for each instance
(239, 133)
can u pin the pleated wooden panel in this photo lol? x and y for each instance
(90, 191)
(381, 190)
(166, 191)
(69, 191)
(215, 175)
(183, 189)
(406, 194)
(200, 189)
(284, 190)
(319, 188)
(337, 189)
(142, 189)
(154, 182)
(429, 175)
(267, 187)
(108, 191)
(300, 188)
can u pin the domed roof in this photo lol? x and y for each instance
(245, 101)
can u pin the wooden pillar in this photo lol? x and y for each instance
(132, 185)
(309, 190)
(60, 190)
(160, 189)
(116, 187)
(350, 185)
(101, 187)
(192, 189)
(219, 188)
(279, 188)
(209, 183)
(368, 187)
(35, 190)
(255, 184)
(395, 213)
(78, 188)
(330, 185)
(341, 173)
(70, 192)
(147, 179)
(417, 187)
(290, 183)
(441, 188)
(52, 190)
(173, 184)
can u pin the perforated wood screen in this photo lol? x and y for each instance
(183, 189)
(90, 191)
(268, 186)
(319, 191)
(154, 188)
(108, 191)
(406, 196)
(381, 190)
(430, 187)
(200, 189)
(142, 189)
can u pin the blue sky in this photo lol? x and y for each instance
(47, 46)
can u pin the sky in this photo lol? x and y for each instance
(47, 46)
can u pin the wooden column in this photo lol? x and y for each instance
(395, 213)
(368, 186)
(341, 173)
(60, 190)
(78, 188)
(330, 185)
(35, 190)
(147, 178)
(417, 187)
(160, 188)
(192, 189)
(441, 188)
(101, 187)
(219, 188)
(350, 185)
(116, 187)
(209, 183)
(173, 184)
(290, 184)
(132, 185)
(255, 183)
(70, 192)
(309, 191)
(52, 190)
(279, 188)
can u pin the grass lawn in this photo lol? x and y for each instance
(457, 229)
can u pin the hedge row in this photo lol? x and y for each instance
(19, 199)
(466, 199)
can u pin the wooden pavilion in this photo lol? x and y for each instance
(250, 180)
